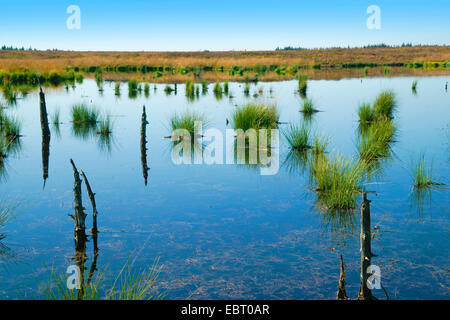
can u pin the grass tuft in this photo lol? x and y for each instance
(297, 136)
(187, 121)
(337, 181)
(255, 116)
(308, 107)
(81, 113)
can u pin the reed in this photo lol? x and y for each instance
(190, 88)
(204, 87)
(422, 173)
(55, 116)
(319, 144)
(105, 126)
(302, 85)
(225, 88)
(10, 127)
(384, 105)
(247, 89)
(308, 107)
(375, 142)
(256, 116)
(168, 89)
(414, 86)
(217, 89)
(117, 89)
(132, 86)
(366, 113)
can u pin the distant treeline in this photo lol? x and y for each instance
(4, 47)
(379, 45)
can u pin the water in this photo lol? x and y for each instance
(225, 231)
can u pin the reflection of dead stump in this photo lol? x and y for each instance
(79, 216)
(366, 252)
(92, 199)
(144, 123)
(45, 134)
(341, 294)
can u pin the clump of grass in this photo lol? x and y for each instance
(146, 89)
(255, 116)
(414, 86)
(204, 87)
(117, 89)
(319, 145)
(84, 114)
(226, 88)
(422, 174)
(190, 88)
(187, 121)
(105, 126)
(308, 107)
(55, 116)
(217, 88)
(298, 136)
(168, 89)
(129, 284)
(366, 113)
(10, 95)
(247, 89)
(374, 143)
(10, 127)
(337, 181)
(384, 105)
(133, 86)
(302, 85)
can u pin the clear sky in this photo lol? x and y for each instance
(179, 25)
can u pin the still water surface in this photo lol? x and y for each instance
(225, 231)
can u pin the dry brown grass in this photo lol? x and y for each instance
(45, 61)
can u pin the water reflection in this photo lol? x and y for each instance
(6, 254)
(45, 135)
(80, 236)
(368, 273)
(144, 123)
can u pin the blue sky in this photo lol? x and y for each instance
(220, 25)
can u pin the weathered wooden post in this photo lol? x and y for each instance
(79, 216)
(366, 251)
(144, 123)
(45, 134)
